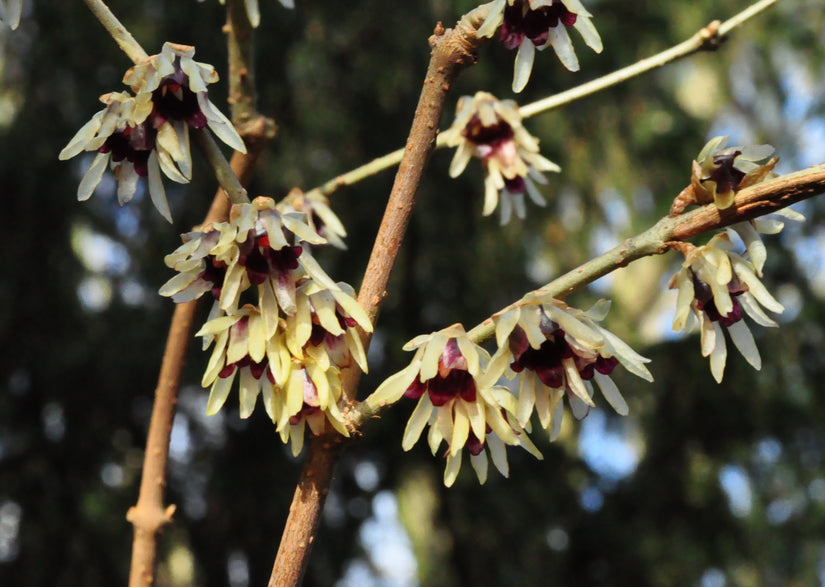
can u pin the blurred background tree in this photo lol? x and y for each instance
(703, 484)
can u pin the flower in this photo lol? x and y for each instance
(292, 343)
(315, 208)
(131, 148)
(557, 350)
(258, 246)
(323, 326)
(715, 284)
(254, 13)
(457, 399)
(322, 394)
(534, 24)
(294, 392)
(176, 85)
(719, 172)
(491, 130)
(10, 11)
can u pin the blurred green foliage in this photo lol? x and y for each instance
(341, 80)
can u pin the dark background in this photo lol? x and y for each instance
(703, 484)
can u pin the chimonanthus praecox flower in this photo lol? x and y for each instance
(258, 246)
(296, 392)
(138, 136)
(459, 401)
(528, 25)
(291, 342)
(131, 148)
(557, 350)
(719, 172)
(715, 284)
(491, 130)
(317, 213)
(254, 13)
(177, 85)
(10, 11)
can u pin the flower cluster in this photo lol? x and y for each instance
(715, 285)
(297, 334)
(143, 134)
(254, 13)
(528, 25)
(557, 350)
(457, 397)
(491, 130)
(10, 11)
(718, 172)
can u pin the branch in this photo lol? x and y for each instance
(707, 39)
(752, 202)
(118, 32)
(452, 51)
(149, 516)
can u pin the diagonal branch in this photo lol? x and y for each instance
(707, 39)
(452, 51)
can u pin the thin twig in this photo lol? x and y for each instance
(452, 50)
(224, 173)
(758, 200)
(118, 32)
(708, 38)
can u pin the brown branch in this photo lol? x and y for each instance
(749, 203)
(452, 51)
(149, 516)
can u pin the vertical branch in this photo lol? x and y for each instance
(452, 50)
(149, 516)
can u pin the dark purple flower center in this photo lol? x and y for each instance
(261, 260)
(726, 176)
(546, 361)
(457, 383)
(257, 369)
(522, 21)
(492, 136)
(516, 185)
(133, 144)
(705, 302)
(173, 100)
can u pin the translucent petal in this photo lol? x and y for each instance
(589, 33)
(219, 393)
(452, 469)
(391, 390)
(81, 138)
(498, 452)
(156, 191)
(479, 463)
(611, 393)
(248, 392)
(524, 64)
(719, 354)
(127, 179)
(92, 176)
(742, 338)
(560, 40)
(417, 422)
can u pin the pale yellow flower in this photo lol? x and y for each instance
(177, 87)
(715, 284)
(131, 148)
(457, 398)
(557, 350)
(528, 25)
(491, 130)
